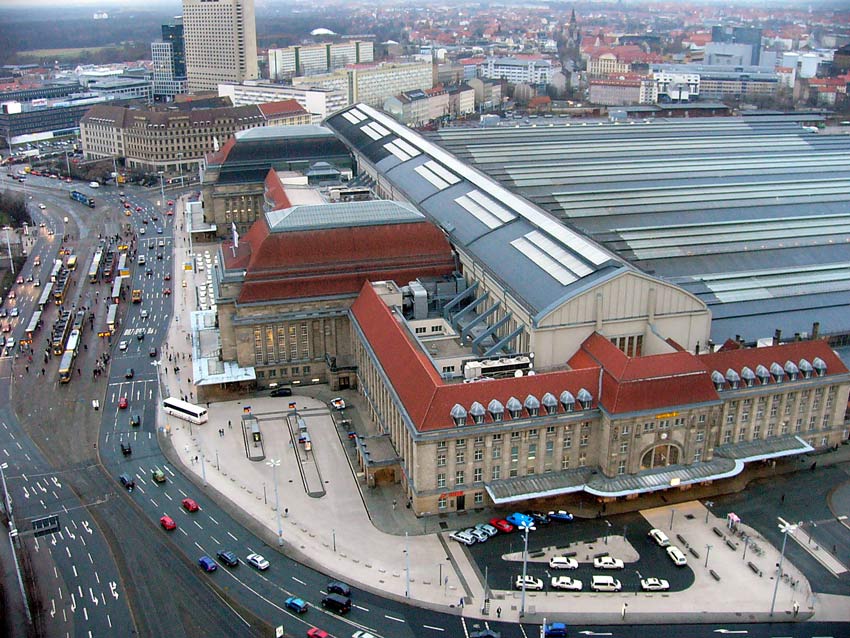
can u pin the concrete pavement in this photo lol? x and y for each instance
(329, 519)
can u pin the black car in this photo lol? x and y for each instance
(281, 392)
(126, 450)
(228, 558)
(337, 587)
(140, 336)
(135, 420)
(152, 351)
(127, 482)
(539, 517)
(130, 373)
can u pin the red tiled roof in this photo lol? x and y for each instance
(290, 107)
(218, 157)
(276, 191)
(794, 351)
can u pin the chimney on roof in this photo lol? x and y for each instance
(777, 336)
(738, 338)
(797, 336)
(815, 330)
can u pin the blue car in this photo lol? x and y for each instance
(519, 519)
(555, 630)
(560, 515)
(207, 564)
(295, 604)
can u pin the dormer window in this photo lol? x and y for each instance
(733, 378)
(806, 369)
(568, 401)
(532, 405)
(514, 408)
(777, 372)
(459, 414)
(497, 410)
(792, 370)
(762, 375)
(718, 380)
(820, 366)
(550, 403)
(748, 376)
(477, 411)
(585, 399)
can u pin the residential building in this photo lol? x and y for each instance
(606, 64)
(318, 102)
(373, 83)
(221, 42)
(529, 70)
(318, 58)
(488, 95)
(615, 91)
(174, 140)
(721, 82)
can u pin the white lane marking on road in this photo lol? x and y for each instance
(91, 560)
(232, 536)
(109, 620)
(298, 580)
(214, 540)
(394, 618)
(80, 591)
(83, 540)
(198, 546)
(93, 597)
(85, 613)
(74, 568)
(113, 588)
(198, 524)
(213, 520)
(52, 608)
(184, 531)
(361, 607)
(103, 597)
(168, 496)
(97, 578)
(434, 628)
(154, 503)
(68, 551)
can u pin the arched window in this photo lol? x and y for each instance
(660, 456)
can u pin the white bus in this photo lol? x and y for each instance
(186, 411)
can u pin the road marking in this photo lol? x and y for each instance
(198, 524)
(213, 520)
(109, 620)
(361, 607)
(394, 618)
(154, 503)
(213, 539)
(184, 531)
(298, 580)
(232, 536)
(97, 578)
(168, 496)
(85, 613)
(434, 628)
(91, 560)
(68, 551)
(74, 568)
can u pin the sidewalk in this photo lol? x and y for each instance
(368, 538)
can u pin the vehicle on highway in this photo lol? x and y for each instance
(207, 564)
(143, 314)
(555, 630)
(485, 633)
(130, 373)
(607, 562)
(677, 556)
(142, 230)
(135, 420)
(257, 561)
(365, 634)
(159, 256)
(166, 292)
(563, 562)
(152, 351)
(531, 583)
(654, 584)
(4, 313)
(463, 536)
(140, 336)
(566, 583)
(20, 279)
(126, 450)
(167, 523)
(600, 582)
(560, 515)
(171, 202)
(337, 603)
(168, 278)
(295, 604)
(502, 525)
(161, 242)
(123, 403)
(338, 587)
(14, 312)
(487, 529)
(127, 481)
(158, 476)
(315, 632)
(659, 537)
(138, 209)
(190, 505)
(517, 519)
(42, 207)
(338, 403)
(228, 558)
(159, 230)
(12, 294)
(122, 345)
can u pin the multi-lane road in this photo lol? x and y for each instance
(113, 570)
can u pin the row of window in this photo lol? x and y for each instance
(294, 371)
(281, 343)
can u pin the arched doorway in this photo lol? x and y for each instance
(660, 456)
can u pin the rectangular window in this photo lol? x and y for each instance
(514, 454)
(785, 427)
(460, 443)
(550, 448)
(478, 455)
(479, 440)
(532, 434)
(441, 445)
(460, 457)
(700, 435)
(496, 473)
(583, 440)
(730, 419)
(727, 436)
(621, 468)
(442, 503)
(798, 427)
(441, 480)
(550, 429)
(565, 463)
(625, 430)
(770, 429)
(532, 451)
(441, 460)
(460, 477)
(568, 441)
(757, 431)
(773, 411)
(497, 437)
(701, 418)
(582, 459)
(478, 498)
(497, 452)
(514, 436)
(624, 447)
(698, 455)
(825, 422)
(513, 472)
(477, 475)
(742, 435)
(812, 421)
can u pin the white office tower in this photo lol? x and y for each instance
(221, 42)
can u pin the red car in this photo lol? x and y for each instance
(502, 525)
(138, 209)
(171, 202)
(123, 403)
(166, 292)
(126, 204)
(169, 212)
(190, 505)
(167, 278)
(167, 523)
(315, 632)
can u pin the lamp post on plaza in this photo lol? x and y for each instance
(786, 528)
(274, 464)
(161, 188)
(524, 527)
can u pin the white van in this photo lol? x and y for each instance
(677, 556)
(94, 185)
(659, 537)
(605, 583)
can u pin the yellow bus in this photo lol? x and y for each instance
(71, 263)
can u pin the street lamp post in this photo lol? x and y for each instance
(161, 188)
(672, 514)
(406, 566)
(525, 527)
(9, 248)
(607, 530)
(707, 552)
(272, 463)
(708, 504)
(786, 528)
(203, 469)
(640, 578)
(746, 545)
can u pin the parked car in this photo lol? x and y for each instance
(207, 564)
(601, 582)
(227, 557)
(338, 403)
(677, 556)
(487, 529)
(167, 523)
(659, 537)
(555, 630)
(560, 515)
(531, 583)
(518, 519)
(566, 583)
(485, 633)
(654, 584)
(539, 518)
(479, 535)
(502, 525)
(257, 561)
(315, 632)
(607, 562)
(563, 562)
(462, 536)
(295, 604)
(281, 392)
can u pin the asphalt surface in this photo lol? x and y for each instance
(157, 570)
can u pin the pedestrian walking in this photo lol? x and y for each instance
(498, 612)
(796, 608)
(28, 369)
(42, 372)
(229, 424)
